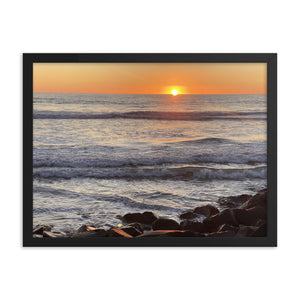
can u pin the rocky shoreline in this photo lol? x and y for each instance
(240, 216)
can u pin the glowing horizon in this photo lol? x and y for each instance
(150, 78)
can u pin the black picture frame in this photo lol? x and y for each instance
(269, 58)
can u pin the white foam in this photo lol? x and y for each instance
(199, 173)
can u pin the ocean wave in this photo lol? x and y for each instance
(208, 158)
(173, 173)
(206, 141)
(95, 198)
(154, 115)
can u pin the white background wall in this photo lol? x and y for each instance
(153, 26)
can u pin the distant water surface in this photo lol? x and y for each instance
(99, 156)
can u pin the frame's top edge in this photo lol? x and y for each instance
(153, 53)
(150, 57)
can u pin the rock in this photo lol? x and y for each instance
(188, 215)
(132, 230)
(234, 201)
(194, 226)
(227, 233)
(245, 231)
(97, 232)
(146, 217)
(199, 234)
(260, 199)
(245, 201)
(38, 236)
(147, 227)
(198, 227)
(206, 210)
(168, 233)
(227, 216)
(260, 211)
(39, 229)
(260, 223)
(185, 225)
(117, 232)
(138, 226)
(59, 234)
(235, 217)
(226, 227)
(133, 217)
(247, 216)
(49, 234)
(84, 228)
(261, 231)
(165, 224)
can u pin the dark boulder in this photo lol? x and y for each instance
(199, 234)
(147, 227)
(260, 199)
(185, 225)
(165, 224)
(227, 216)
(117, 232)
(260, 223)
(198, 227)
(194, 226)
(38, 236)
(206, 210)
(245, 231)
(146, 217)
(248, 217)
(188, 215)
(226, 227)
(97, 232)
(235, 217)
(132, 230)
(234, 201)
(49, 234)
(227, 233)
(260, 211)
(138, 226)
(60, 234)
(39, 229)
(261, 231)
(168, 233)
(133, 217)
(84, 228)
(54, 234)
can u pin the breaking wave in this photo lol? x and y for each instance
(173, 173)
(213, 158)
(153, 115)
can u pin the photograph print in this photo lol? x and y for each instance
(140, 151)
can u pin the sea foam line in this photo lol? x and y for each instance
(153, 115)
(172, 173)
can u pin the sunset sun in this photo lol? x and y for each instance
(174, 92)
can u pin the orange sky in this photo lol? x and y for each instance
(150, 78)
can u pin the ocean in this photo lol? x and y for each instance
(99, 156)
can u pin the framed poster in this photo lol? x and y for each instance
(150, 149)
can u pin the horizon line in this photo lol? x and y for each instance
(151, 93)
